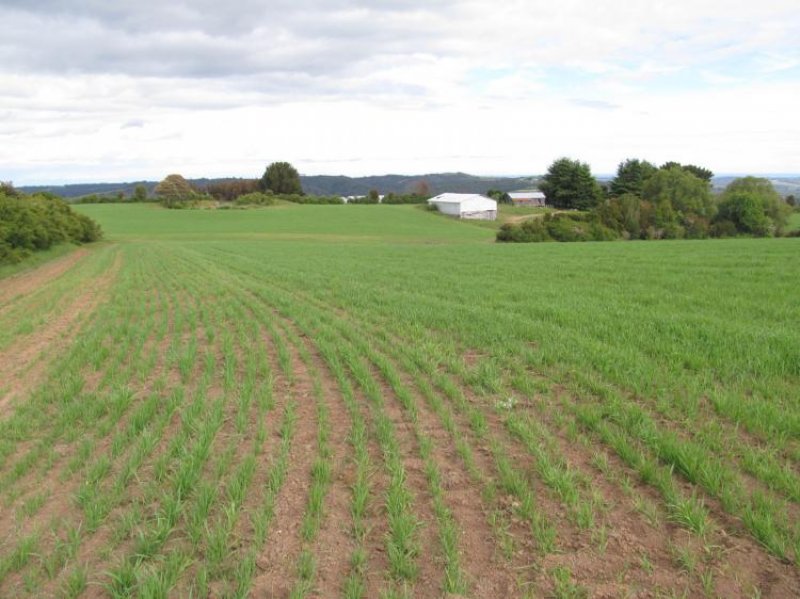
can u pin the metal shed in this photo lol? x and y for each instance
(527, 198)
(466, 205)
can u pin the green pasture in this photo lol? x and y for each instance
(288, 222)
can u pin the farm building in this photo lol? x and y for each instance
(527, 198)
(465, 205)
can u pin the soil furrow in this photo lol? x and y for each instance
(488, 574)
(277, 562)
(739, 562)
(334, 545)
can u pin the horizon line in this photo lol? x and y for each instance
(494, 176)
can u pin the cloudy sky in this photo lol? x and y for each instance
(95, 90)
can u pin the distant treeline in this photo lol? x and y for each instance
(340, 185)
(319, 185)
(288, 184)
(139, 194)
(645, 202)
(280, 183)
(390, 198)
(30, 223)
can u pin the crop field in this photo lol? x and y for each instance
(375, 401)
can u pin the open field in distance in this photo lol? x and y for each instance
(376, 401)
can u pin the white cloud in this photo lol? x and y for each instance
(132, 90)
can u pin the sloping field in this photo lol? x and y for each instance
(316, 402)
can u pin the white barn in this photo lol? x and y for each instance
(465, 205)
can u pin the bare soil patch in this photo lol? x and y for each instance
(26, 282)
(42, 346)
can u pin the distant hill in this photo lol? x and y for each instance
(78, 190)
(325, 185)
(436, 183)
(783, 184)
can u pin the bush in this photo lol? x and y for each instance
(301, 199)
(364, 200)
(115, 197)
(93, 198)
(696, 227)
(747, 214)
(623, 215)
(32, 223)
(255, 198)
(753, 206)
(408, 198)
(529, 231)
(176, 192)
(723, 228)
(181, 204)
(231, 189)
(558, 227)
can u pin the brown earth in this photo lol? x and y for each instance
(334, 545)
(27, 282)
(277, 561)
(40, 347)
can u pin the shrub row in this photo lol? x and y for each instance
(37, 222)
(558, 227)
(679, 206)
(309, 199)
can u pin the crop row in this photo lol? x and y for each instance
(225, 425)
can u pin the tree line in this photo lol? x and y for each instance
(280, 181)
(643, 201)
(30, 223)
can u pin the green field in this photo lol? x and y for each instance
(794, 222)
(287, 222)
(377, 401)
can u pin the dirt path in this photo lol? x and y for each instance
(43, 345)
(26, 282)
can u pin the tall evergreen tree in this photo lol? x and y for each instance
(631, 176)
(570, 184)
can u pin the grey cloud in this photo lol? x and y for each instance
(133, 124)
(206, 39)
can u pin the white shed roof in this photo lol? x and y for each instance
(473, 200)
